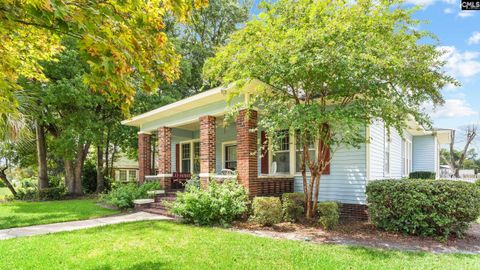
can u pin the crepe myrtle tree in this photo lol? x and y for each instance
(328, 69)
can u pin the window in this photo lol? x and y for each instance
(230, 157)
(281, 156)
(132, 175)
(186, 157)
(407, 157)
(196, 157)
(299, 153)
(386, 156)
(123, 176)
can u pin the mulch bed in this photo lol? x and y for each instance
(362, 233)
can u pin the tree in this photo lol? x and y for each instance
(328, 69)
(457, 158)
(124, 43)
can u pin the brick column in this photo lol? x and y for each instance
(207, 147)
(247, 163)
(144, 156)
(164, 135)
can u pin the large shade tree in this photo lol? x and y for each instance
(123, 42)
(329, 68)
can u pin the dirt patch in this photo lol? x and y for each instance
(365, 234)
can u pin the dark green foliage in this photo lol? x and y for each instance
(293, 206)
(329, 214)
(89, 177)
(267, 211)
(477, 183)
(438, 208)
(422, 175)
(27, 194)
(122, 196)
(217, 204)
(53, 193)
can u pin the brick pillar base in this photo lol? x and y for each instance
(353, 211)
(247, 161)
(164, 135)
(144, 156)
(207, 148)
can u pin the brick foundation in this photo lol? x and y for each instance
(164, 135)
(247, 163)
(207, 147)
(144, 156)
(274, 186)
(353, 211)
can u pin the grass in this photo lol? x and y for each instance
(3, 192)
(167, 245)
(19, 213)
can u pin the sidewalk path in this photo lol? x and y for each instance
(77, 225)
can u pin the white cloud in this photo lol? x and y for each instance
(474, 39)
(426, 3)
(465, 13)
(452, 108)
(448, 11)
(464, 64)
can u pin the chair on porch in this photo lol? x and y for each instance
(180, 179)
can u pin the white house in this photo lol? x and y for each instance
(191, 138)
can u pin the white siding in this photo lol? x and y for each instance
(377, 155)
(346, 182)
(425, 150)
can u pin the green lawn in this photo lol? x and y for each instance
(166, 245)
(4, 191)
(18, 213)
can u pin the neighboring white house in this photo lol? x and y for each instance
(192, 139)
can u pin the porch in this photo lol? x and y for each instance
(189, 137)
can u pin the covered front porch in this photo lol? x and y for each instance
(190, 137)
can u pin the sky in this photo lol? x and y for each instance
(459, 36)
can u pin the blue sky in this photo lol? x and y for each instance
(459, 36)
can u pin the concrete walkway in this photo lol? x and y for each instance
(77, 225)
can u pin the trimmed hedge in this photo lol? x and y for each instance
(438, 208)
(267, 211)
(329, 214)
(293, 206)
(422, 175)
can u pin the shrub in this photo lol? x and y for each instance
(329, 214)
(477, 183)
(293, 206)
(437, 208)
(122, 196)
(422, 175)
(89, 177)
(54, 193)
(267, 210)
(219, 203)
(27, 194)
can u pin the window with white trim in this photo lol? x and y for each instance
(386, 156)
(132, 175)
(196, 157)
(185, 157)
(123, 176)
(407, 157)
(281, 156)
(230, 157)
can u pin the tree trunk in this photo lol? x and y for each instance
(42, 157)
(73, 170)
(100, 178)
(7, 183)
(69, 176)
(112, 159)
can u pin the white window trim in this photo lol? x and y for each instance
(385, 139)
(295, 173)
(291, 150)
(407, 148)
(191, 142)
(224, 144)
